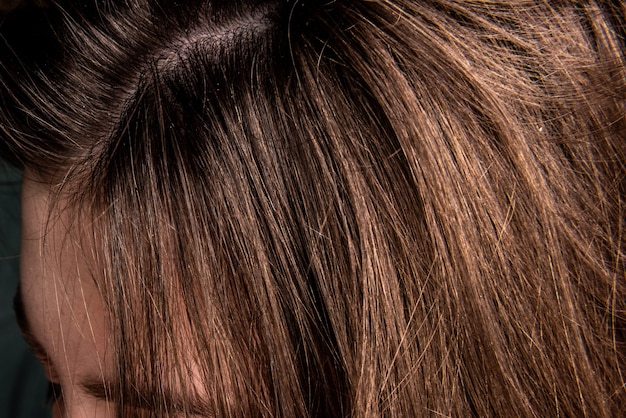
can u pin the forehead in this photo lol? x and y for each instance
(64, 308)
(61, 300)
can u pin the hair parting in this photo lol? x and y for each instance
(342, 208)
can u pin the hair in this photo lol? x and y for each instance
(343, 208)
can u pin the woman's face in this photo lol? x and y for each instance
(64, 320)
(59, 307)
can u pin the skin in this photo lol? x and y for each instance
(61, 303)
(62, 314)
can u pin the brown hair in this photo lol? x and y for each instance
(343, 208)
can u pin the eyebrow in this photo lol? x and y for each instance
(144, 398)
(100, 388)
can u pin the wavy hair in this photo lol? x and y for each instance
(347, 208)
